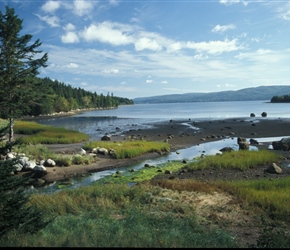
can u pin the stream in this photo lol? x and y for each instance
(207, 148)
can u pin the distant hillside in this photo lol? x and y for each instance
(247, 94)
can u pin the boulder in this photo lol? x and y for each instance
(49, 163)
(106, 138)
(283, 144)
(243, 144)
(264, 114)
(274, 169)
(226, 149)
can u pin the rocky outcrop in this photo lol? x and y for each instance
(283, 144)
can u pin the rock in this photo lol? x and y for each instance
(254, 142)
(274, 169)
(283, 144)
(264, 114)
(38, 171)
(82, 152)
(103, 151)
(106, 138)
(252, 115)
(226, 149)
(49, 163)
(243, 144)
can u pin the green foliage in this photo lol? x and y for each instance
(118, 216)
(282, 98)
(19, 68)
(63, 161)
(129, 149)
(44, 134)
(272, 196)
(273, 237)
(242, 159)
(15, 211)
(37, 152)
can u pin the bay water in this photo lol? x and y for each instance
(97, 123)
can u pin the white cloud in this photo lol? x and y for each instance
(176, 46)
(146, 43)
(223, 28)
(229, 2)
(149, 81)
(52, 21)
(164, 82)
(215, 47)
(69, 27)
(50, 6)
(111, 71)
(105, 33)
(82, 8)
(70, 37)
(72, 66)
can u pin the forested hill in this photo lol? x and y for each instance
(247, 94)
(55, 96)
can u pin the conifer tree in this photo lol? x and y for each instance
(18, 68)
(15, 213)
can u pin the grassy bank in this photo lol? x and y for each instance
(165, 214)
(114, 214)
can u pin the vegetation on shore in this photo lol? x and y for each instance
(155, 214)
(110, 213)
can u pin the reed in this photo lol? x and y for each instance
(241, 159)
(129, 149)
(36, 133)
(117, 216)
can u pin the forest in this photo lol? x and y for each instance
(282, 98)
(55, 96)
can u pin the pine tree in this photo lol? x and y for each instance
(15, 213)
(18, 68)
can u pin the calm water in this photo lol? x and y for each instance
(138, 116)
(97, 123)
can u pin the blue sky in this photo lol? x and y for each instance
(147, 48)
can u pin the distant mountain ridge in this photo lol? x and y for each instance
(247, 94)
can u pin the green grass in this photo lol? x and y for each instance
(36, 133)
(117, 216)
(242, 160)
(109, 213)
(129, 149)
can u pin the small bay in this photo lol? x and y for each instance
(96, 123)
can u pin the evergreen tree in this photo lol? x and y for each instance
(15, 213)
(18, 68)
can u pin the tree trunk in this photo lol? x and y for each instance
(11, 129)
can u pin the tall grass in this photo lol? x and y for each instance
(242, 160)
(36, 133)
(129, 149)
(117, 216)
(272, 196)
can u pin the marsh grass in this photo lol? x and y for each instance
(129, 149)
(143, 174)
(37, 152)
(36, 133)
(270, 195)
(241, 159)
(117, 216)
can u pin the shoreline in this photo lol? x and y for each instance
(179, 136)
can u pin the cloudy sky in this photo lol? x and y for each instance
(135, 48)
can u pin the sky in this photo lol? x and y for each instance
(132, 48)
